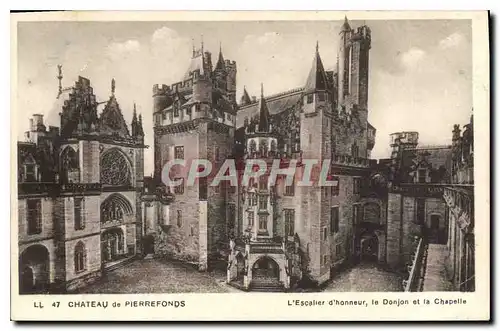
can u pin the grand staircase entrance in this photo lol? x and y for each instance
(265, 276)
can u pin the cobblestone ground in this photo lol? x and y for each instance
(365, 277)
(157, 276)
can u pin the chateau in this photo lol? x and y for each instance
(85, 205)
(79, 190)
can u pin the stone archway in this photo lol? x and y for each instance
(369, 247)
(112, 245)
(34, 270)
(265, 268)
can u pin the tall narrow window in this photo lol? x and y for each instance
(334, 220)
(179, 189)
(179, 152)
(250, 218)
(336, 186)
(179, 218)
(422, 175)
(30, 175)
(262, 222)
(355, 214)
(356, 185)
(80, 257)
(289, 189)
(263, 183)
(34, 208)
(289, 222)
(79, 214)
(354, 150)
(263, 202)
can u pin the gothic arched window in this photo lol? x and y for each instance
(80, 257)
(115, 169)
(263, 148)
(70, 169)
(114, 208)
(253, 147)
(274, 146)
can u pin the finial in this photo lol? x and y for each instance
(220, 46)
(113, 86)
(59, 77)
(134, 108)
(192, 41)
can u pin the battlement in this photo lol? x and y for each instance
(361, 32)
(180, 86)
(404, 137)
(161, 89)
(230, 63)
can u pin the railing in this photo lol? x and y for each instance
(419, 190)
(56, 188)
(410, 285)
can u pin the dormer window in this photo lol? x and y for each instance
(30, 172)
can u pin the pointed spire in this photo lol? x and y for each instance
(134, 122)
(140, 130)
(245, 98)
(194, 51)
(59, 77)
(316, 80)
(345, 27)
(113, 86)
(220, 62)
(263, 112)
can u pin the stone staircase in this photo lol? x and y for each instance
(266, 285)
(110, 266)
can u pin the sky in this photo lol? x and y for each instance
(420, 70)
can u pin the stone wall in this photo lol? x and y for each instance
(394, 229)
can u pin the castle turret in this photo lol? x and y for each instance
(343, 61)
(358, 66)
(220, 72)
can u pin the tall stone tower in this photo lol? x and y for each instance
(315, 140)
(194, 119)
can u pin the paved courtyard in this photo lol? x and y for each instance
(160, 276)
(365, 277)
(157, 276)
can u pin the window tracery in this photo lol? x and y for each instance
(115, 169)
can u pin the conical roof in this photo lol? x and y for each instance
(264, 119)
(316, 80)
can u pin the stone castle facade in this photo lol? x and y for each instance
(79, 190)
(85, 205)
